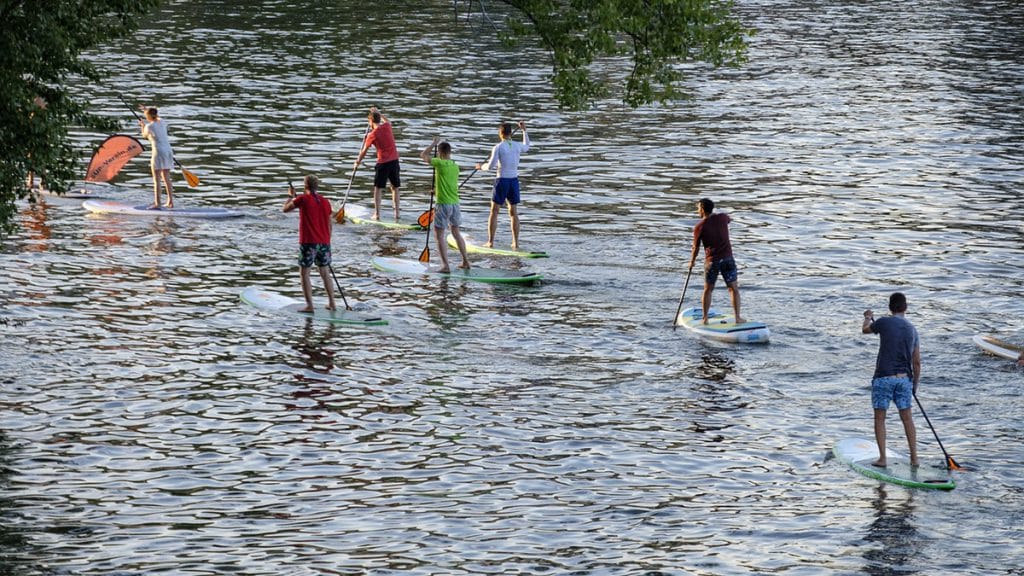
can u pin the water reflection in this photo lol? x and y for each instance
(893, 534)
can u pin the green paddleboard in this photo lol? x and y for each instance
(473, 247)
(858, 454)
(476, 274)
(361, 215)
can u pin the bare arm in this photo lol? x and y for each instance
(915, 361)
(869, 318)
(425, 153)
(289, 204)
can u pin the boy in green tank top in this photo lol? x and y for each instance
(446, 197)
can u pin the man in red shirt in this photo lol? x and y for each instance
(386, 171)
(713, 232)
(314, 237)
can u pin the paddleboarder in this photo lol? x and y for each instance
(713, 232)
(505, 159)
(314, 237)
(386, 172)
(446, 210)
(897, 371)
(155, 130)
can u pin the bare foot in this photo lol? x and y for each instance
(489, 244)
(375, 216)
(879, 463)
(515, 246)
(465, 265)
(914, 463)
(705, 321)
(153, 207)
(330, 307)
(169, 205)
(306, 309)
(741, 321)
(444, 271)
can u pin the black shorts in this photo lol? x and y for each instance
(387, 172)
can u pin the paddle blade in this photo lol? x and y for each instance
(952, 465)
(425, 220)
(190, 178)
(425, 255)
(340, 216)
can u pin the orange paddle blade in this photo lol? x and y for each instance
(952, 464)
(425, 256)
(191, 178)
(340, 216)
(425, 220)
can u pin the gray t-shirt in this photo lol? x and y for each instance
(896, 348)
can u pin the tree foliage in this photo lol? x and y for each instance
(656, 35)
(41, 43)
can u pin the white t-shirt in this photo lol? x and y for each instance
(505, 157)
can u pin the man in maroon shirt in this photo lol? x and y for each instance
(386, 171)
(314, 237)
(713, 232)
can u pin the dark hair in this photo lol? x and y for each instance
(506, 129)
(897, 303)
(375, 117)
(707, 205)
(444, 148)
(312, 183)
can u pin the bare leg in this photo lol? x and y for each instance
(705, 299)
(461, 243)
(324, 274)
(394, 198)
(307, 290)
(514, 218)
(166, 174)
(880, 438)
(492, 224)
(734, 292)
(911, 431)
(156, 188)
(376, 203)
(442, 249)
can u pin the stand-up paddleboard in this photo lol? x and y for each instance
(858, 454)
(265, 300)
(481, 249)
(998, 347)
(723, 327)
(476, 274)
(361, 215)
(112, 207)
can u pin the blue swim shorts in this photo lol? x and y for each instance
(891, 389)
(319, 254)
(506, 189)
(726, 267)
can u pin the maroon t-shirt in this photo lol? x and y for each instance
(314, 219)
(713, 232)
(383, 140)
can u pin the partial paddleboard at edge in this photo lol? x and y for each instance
(997, 347)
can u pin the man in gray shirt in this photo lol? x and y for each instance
(897, 371)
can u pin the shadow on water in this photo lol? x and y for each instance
(894, 530)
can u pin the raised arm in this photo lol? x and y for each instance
(425, 154)
(869, 319)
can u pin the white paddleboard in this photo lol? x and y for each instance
(858, 453)
(113, 207)
(723, 327)
(476, 274)
(473, 247)
(272, 301)
(998, 347)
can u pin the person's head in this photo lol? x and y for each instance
(374, 117)
(444, 150)
(897, 303)
(505, 130)
(705, 207)
(312, 183)
(152, 114)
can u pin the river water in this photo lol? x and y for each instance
(153, 424)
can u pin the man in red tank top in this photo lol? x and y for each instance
(713, 232)
(314, 237)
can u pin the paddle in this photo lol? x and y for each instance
(347, 307)
(190, 178)
(675, 319)
(950, 463)
(425, 255)
(340, 216)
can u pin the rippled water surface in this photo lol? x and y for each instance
(152, 423)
